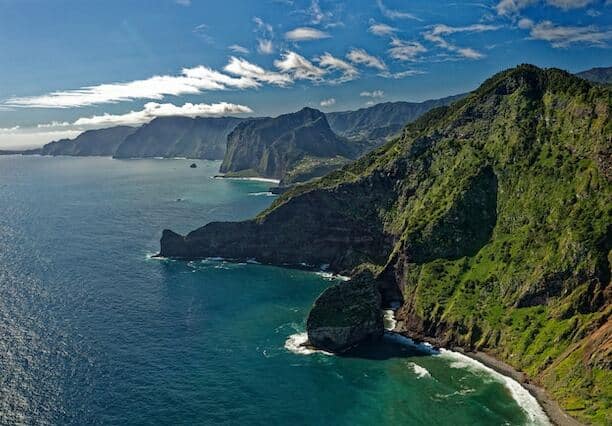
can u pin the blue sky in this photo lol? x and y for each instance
(72, 65)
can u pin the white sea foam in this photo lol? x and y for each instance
(331, 276)
(296, 343)
(155, 256)
(421, 372)
(389, 319)
(521, 395)
(255, 179)
(262, 194)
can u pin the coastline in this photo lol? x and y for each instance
(553, 410)
(253, 178)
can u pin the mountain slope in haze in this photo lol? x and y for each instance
(292, 147)
(601, 75)
(200, 137)
(488, 222)
(100, 142)
(377, 123)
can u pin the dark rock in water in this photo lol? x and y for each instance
(346, 314)
(193, 165)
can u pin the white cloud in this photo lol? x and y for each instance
(191, 81)
(243, 68)
(317, 15)
(403, 74)
(394, 14)
(328, 102)
(406, 50)
(236, 48)
(299, 67)
(569, 4)
(564, 36)
(381, 29)
(183, 2)
(265, 43)
(436, 33)
(153, 110)
(305, 34)
(360, 56)
(262, 26)
(373, 94)
(513, 7)
(265, 47)
(348, 71)
(525, 23)
(53, 124)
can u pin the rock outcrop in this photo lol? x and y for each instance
(292, 147)
(346, 314)
(488, 219)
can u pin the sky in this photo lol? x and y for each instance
(73, 65)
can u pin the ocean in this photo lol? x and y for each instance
(93, 330)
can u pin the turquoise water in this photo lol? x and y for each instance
(93, 331)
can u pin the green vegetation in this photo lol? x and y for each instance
(490, 219)
(535, 291)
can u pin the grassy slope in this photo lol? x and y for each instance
(538, 292)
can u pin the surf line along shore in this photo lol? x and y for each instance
(556, 415)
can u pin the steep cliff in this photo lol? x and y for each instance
(291, 147)
(489, 221)
(200, 137)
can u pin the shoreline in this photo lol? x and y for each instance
(252, 178)
(555, 413)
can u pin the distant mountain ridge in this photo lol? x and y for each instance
(602, 75)
(380, 121)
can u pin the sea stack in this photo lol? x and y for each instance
(346, 314)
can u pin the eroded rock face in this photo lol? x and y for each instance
(346, 314)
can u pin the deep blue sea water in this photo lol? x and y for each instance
(93, 331)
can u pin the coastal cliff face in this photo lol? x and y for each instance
(488, 220)
(292, 147)
(200, 137)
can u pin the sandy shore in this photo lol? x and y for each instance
(553, 410)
